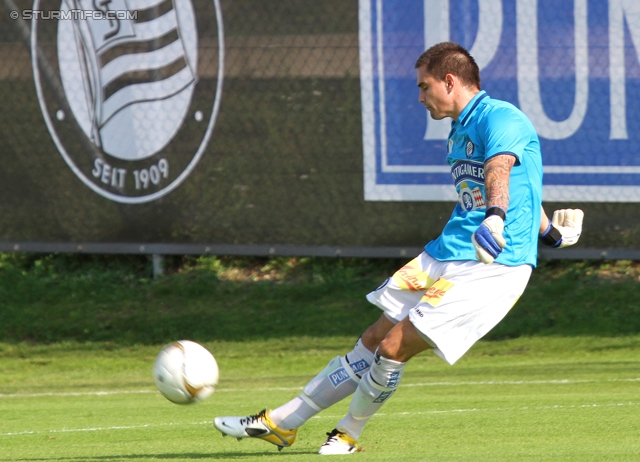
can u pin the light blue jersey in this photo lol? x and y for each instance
(487, 127)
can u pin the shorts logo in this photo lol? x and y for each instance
(359, 366)
(436, 292)
(338, 377)
(411, 277)
(123, 98)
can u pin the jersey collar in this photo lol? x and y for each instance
(471, 106)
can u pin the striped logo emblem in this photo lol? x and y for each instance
(123, 95)
(129, 62)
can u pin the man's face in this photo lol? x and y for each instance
(434, 94)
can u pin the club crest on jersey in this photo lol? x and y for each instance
(123, 97)
(469, 149)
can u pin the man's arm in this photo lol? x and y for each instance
(496, 180)
(544, 221)
(488, 239)
(563, 230)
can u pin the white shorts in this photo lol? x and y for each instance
(452, 304)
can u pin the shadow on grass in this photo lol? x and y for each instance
(187, 456)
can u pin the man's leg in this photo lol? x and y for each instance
(376, 387)
(402, 342)
(335, 382)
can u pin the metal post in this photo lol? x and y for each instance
(158, 265)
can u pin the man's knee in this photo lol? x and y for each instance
(372, 337)
(402, 342)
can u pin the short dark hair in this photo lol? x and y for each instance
(450, 58)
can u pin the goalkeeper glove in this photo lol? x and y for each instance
(564, 229)
(488, 239)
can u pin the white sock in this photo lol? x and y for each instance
(360, 358)
(292, 414)
(335, 382)
(375, 388)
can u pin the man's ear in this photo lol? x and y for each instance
(449, 82)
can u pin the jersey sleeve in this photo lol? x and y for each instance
(505, 132)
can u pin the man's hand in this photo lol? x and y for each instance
(569, 223)
(488, 239)
(564, 229)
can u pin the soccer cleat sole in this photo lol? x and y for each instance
(224, 435)
(270, 434)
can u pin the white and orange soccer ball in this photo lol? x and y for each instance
(185, 372)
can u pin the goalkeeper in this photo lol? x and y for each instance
(464, 282)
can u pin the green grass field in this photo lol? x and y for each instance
(557, 380)
(523, 399)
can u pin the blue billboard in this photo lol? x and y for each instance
(571, 65)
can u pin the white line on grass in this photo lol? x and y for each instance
(98, 429)
(519, 382)
(333, 417)
(404, 385)
(76, 393)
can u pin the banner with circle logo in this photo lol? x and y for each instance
(121, 96)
